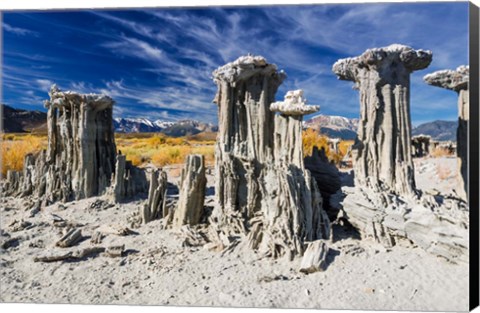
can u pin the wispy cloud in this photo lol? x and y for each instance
(158, 62)
(44, 84)
(17, 30)
(167, 103)
(136, 27)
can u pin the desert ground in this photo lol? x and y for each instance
(158, 268)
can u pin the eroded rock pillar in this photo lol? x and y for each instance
(192, 192)
(246, 88)
(81, 145)
(157, 193)
(457, 80)
(421, 146)
(262, 188)
(383, 158)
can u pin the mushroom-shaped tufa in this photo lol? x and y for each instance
(384, 60)
(449, 79)
(294, 104)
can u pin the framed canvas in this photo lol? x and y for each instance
(168, 155)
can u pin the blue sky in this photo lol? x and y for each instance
(157, 63)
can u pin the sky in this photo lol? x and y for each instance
(158, 63)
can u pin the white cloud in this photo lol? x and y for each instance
(44, 84)
(17, 30)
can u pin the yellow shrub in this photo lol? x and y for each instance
(135, 159)
(207, 151)
(439, 152)
(310, 139)
(170, 155)
(344, 145)
(156, 140)
(176, 141)
(15, 150)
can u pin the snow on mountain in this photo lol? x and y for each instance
(334, 126)
(144, 125)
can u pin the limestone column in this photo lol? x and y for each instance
(299, 200)
(262, 188)
(81, 146)
(192, 192)
(382, 152)
(246, 88)
(457, 80)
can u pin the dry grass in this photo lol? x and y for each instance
(344, 145)
(144, 148)
(161, 150)
(16, 146)
(441, 152)
(312, 138)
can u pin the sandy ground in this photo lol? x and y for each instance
(157, 270)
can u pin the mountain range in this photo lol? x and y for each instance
(334, 126)
(173, 129)
(17, 120)
(20, 121)
(438, 130)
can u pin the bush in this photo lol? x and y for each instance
(439, 152)
(170, 155)
(311, 138)
(15, 150)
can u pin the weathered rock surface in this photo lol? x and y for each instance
(246, 88)
(384, 204)
(79, 161)
(315, 257)
(127, 181)
(382, 151)
(155, 207)
(71, 238)
(192, 192)
(81, 145)
(262, 187)
(334, 144)
(457, 80)
(421, 146)
(438, 225)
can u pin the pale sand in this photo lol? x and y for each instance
(159, 271)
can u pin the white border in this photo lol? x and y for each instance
(6, 5)
(73, 4)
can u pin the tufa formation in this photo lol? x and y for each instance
(382, 151)
(262, 187)
(457, 80)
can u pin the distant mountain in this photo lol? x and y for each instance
(188, 128)
(173, 129)
(17, 120)
(334, 126)
(20, 121)
(438, 130)
(345, 128)
(139, 125)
